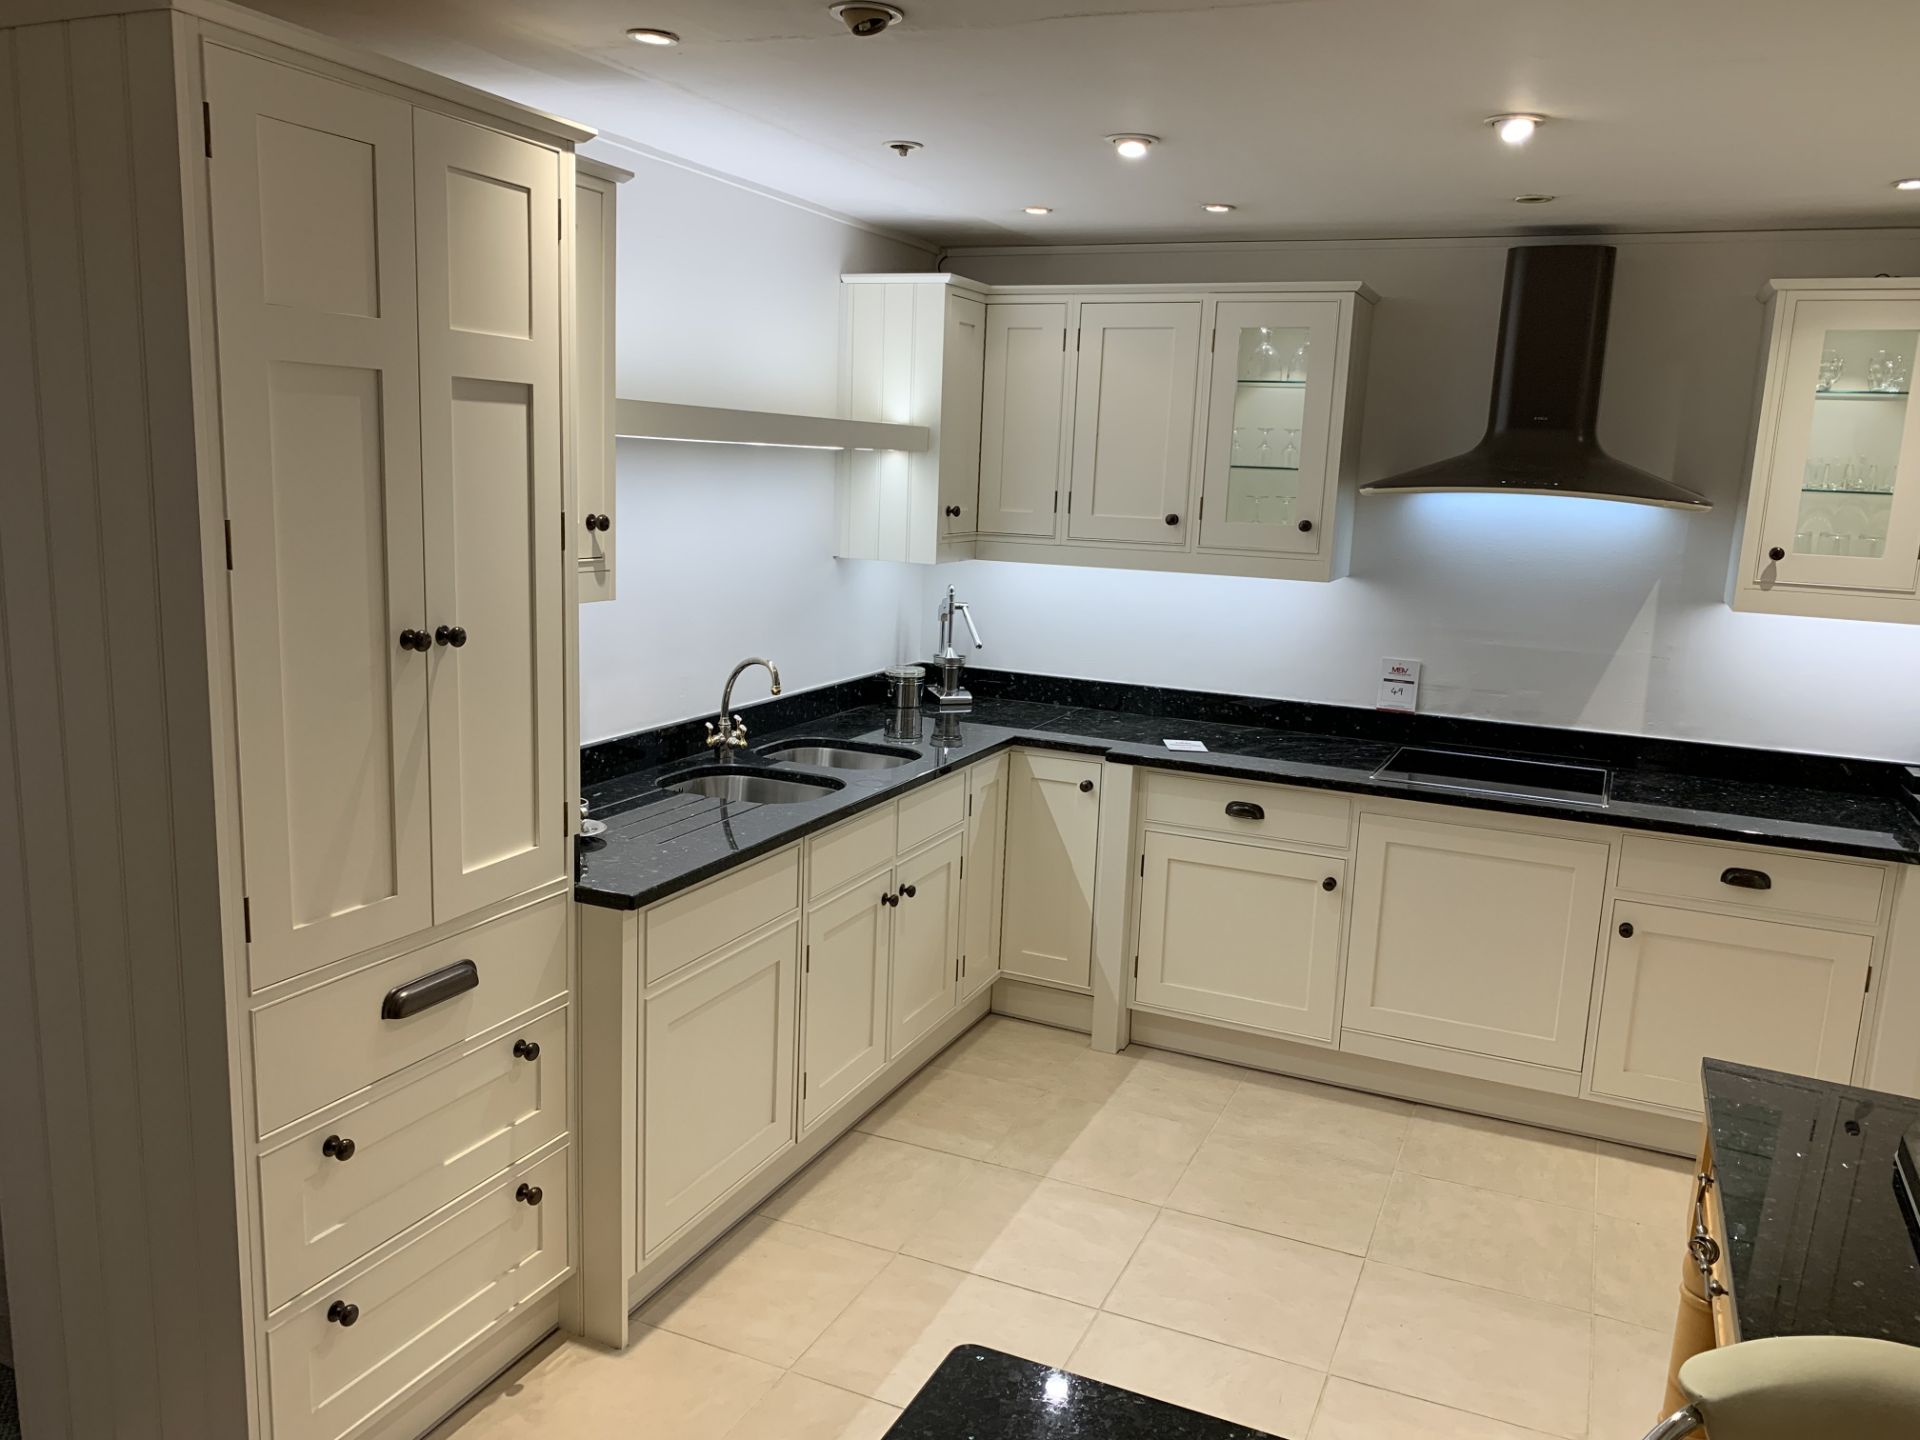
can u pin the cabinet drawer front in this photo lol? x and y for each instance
(681, 930)
(418, 1307)
(1307, 817)
(847, 851)
(413, 1151)
(1688, 870)
(313, 1048)
(1685, 984)
(932, 810)
(1243, 933)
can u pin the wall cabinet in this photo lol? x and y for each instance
(1138, 365)
(985, 875)
(1023, 424)
(1053, 820)
(596, 196)
(1248, 934)
(1832, 519)
(1681, 985)
(1475, 939)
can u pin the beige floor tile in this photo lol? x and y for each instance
(1641, 1185)
(1499, 1155)
(1504, 1356)
(1629, 1379)
(1179, 1087)
(1636, 1271)
(1300, 1194)
(1040, 1234)
(1298, 1116)
(1044, 1132)
(867, 1188)
(1360, 1412)
(1504, 1242)
(1240, 1287)
(801, 1409)
(767, 1290)
(1062, 1062)
(1130, 1152)
(679, 1388)
(1218, 1380)
(952, 1110)
(895, 1335)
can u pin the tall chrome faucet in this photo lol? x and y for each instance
(948, 687)
(732, 733)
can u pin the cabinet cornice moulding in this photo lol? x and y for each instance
(712, 425)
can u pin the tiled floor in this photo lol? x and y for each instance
(1309, 1261)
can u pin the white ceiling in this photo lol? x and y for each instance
(1315, 117)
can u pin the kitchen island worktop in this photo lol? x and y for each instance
(659, 842)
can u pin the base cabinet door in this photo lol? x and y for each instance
(1682, 985)
(1241, 933)
(719, 1078)
(843, 1002)
(1479, 940)
(1133, 415)
(1053, 829)
(983, 884)
(926, 940)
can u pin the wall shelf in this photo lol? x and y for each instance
(711, 425)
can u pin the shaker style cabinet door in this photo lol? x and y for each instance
(1269, 426)
(926, 941)
(1133, 422)
(313, 238)
(487, 207)
(1684, 984)
(1053, 832)
(843, 1002)
(1022, 419)
(595, 202)
(985, 876)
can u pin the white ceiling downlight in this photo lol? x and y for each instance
(1218, 207)
(1132, 147)
(867, 20)
(904, 148)
(1516, 129)
(647, 35)
(1912, 183)
(1039, 209)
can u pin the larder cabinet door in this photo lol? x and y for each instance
(1133, 421)
(926, 941)
(1684, 984)
(1053, 832)
(312, 209)
(843, 1020)
(985, 874)
(962, 370)
(1022, 419)
(489, 266)
(1242, 933)
(595, 202)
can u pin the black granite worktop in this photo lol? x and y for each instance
(1818, 1242)
(982, 1394)
(659, 842)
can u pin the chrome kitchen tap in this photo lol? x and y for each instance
(732, 733)
(948, 687)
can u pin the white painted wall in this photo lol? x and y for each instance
(1553, 611)
(728, 296)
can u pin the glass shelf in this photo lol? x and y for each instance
(1289, 384)
(1854, 394)
(1822, 490)
(1287, 469)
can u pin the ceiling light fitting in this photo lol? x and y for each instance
(866, 20)
(1039, 209)
(1132, 147)
(1219, 207)
(1516, 129)
(1909, 184)
(904, 148)
(648, 36)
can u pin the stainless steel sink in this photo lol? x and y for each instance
(840, 754)
(740, 785)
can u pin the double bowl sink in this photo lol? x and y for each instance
(744, 782)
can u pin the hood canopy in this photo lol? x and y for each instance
(1546, 393)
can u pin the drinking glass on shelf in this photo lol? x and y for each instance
(1297, 366)
(1239, 445)
(1831, 364)
(1290, 453)
(1867, 547)
(1266, 355)
(1803, 542)
(1878, 368)
(1266, 444)
(1898, 373)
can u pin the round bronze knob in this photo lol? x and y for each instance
(1776, 554)
(1086, 787)
(889, 899)
(337, 1147)
(1173, 519)
(415, 640)
(1626, 929)
(454, 635)
(953, 512)
(599, 522)
(527, 1049)
(1305, 526)
(343, 1314)
(1330, 883)
(909, 891)
(529, 1194)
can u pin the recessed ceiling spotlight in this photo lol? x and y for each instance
(1219, 207)
(1534, 199)
(1516, 129)
(1132, 147)
(904, 148)
(865, 20)
(1909, 184)
(1039, 209)
(647, 36)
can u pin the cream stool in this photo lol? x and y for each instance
(1800, 1387)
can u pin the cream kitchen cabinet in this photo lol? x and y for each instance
(1023, 425)
(1138, 363)
(596, 195)
(1831, 524)
(1682, 985)
(1245, 933)
(1053, 822)
(1474, 941)
(912, 352)
(984, 875)
(844, 998)
(926, 941)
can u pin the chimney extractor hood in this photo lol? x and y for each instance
(1546, 393)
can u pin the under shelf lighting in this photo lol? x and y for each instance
(646, 35)
(713, 425)
(1911, 183)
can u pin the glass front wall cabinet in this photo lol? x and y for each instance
(1833, 520)
(1270, 426)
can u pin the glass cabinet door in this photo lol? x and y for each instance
(1268, 420)
(1843, 493)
